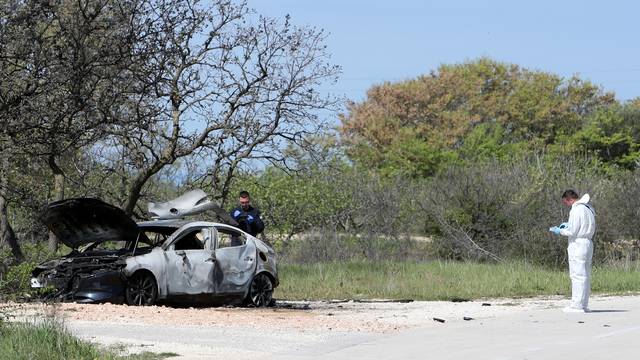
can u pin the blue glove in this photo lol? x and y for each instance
(564, 225)
(555, 230)
(249, 219)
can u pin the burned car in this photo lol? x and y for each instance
(115, 259)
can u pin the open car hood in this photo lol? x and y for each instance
(82, 221)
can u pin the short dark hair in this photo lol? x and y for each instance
(244, 194)
(570, 194)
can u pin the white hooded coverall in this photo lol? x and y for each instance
(580, 229)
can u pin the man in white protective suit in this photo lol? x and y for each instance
(579, 229)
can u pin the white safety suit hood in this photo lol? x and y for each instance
(581, 224)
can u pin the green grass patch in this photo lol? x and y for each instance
(49, 340)
(439, 280)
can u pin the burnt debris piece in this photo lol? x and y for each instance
(457, 300)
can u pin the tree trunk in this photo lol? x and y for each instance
(7, 236)
(168, 157)
(136, 187)
(134, 195)
(58, 194)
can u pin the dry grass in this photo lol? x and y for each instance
(439, 280)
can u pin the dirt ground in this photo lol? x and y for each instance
(292, 329)
(375, 316)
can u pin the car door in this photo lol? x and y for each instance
(235, 261)
(190, 262)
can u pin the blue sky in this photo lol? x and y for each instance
(376, 41)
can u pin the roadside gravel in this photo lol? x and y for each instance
(374, 316)
(292, 329)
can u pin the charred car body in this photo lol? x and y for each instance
(169, 258)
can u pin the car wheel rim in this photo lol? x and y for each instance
(261, 291)
(142, 290)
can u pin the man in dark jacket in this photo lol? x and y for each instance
(247, 216)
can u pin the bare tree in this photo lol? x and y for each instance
(221, 84)
(69, 60)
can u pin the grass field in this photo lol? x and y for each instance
(47, 340)
(439, 280)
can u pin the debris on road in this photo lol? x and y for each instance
(366, 301)
(403, 301)
(438, 320)
(292, 305)
(455, 300)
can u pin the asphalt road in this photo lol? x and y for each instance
(511, 330)
(611, 331)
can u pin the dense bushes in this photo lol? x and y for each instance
(15, 282)
(503, 210)
(618, 211)
(14, 277)
(499, 210)
(493, 210)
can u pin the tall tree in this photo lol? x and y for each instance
(70, 61)
(222, 84)
(418, 121)
(21, 81)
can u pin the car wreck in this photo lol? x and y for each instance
(115, 259)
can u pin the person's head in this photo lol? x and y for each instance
(244, 200)
(569, 197)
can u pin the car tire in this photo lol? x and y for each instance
(141, 289)
(261, 291)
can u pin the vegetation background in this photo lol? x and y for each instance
(440, 187)
(133, 101)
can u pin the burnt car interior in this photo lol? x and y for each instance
(101, 258)
(154, 236)
(193, 240)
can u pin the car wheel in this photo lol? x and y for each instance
(141, 289)
(261, 291)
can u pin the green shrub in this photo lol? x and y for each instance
(15, 283)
